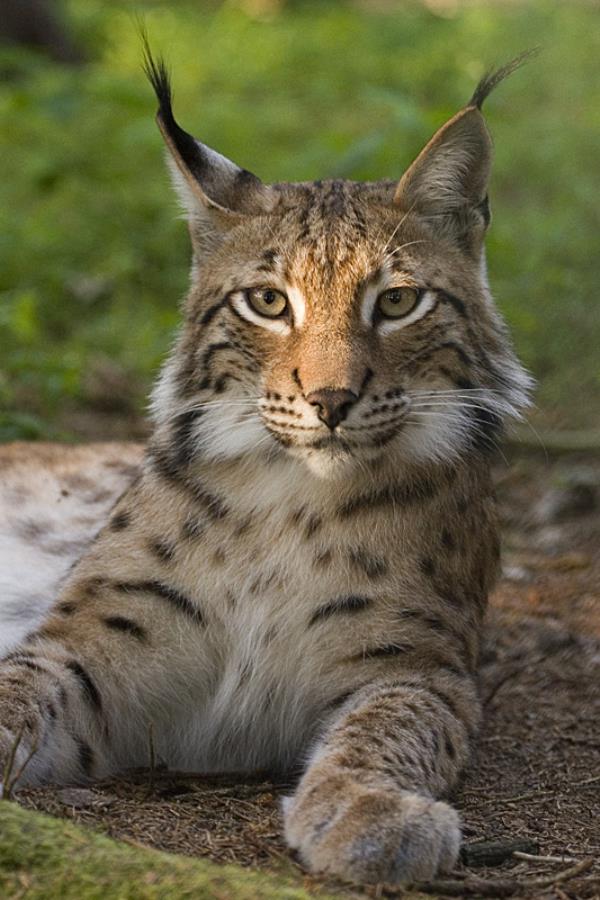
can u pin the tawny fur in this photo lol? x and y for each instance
(269, 591)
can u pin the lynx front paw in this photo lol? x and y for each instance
(369, 834)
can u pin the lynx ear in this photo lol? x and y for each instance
(447, 183)
(216, 193)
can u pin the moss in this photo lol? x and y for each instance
(42, 858)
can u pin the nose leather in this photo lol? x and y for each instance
(332, 405)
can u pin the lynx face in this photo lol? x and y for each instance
(335, 321)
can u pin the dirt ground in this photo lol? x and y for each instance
(535, 777)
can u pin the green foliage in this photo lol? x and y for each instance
(94, 257)
(51, 859)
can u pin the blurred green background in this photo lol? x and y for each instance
(94, 255)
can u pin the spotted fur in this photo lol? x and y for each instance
(296, 574)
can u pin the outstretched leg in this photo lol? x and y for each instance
(366, 807)
(114, 659)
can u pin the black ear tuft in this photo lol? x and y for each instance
(158, 76)
(492, 79)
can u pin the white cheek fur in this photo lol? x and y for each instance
(298, 304)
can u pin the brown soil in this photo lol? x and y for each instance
(536, 772)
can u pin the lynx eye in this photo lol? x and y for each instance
(267, 302)
(397, 302)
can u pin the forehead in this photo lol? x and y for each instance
(339, 235)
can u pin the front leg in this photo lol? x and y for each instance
(366, 807)
(113, 659)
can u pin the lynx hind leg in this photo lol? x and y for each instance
(365, 810)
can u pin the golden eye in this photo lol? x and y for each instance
(267, 302)
(397, 302)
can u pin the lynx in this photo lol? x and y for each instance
(294, 575)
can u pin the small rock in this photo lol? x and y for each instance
(81, 798)
(518, 574)
(577, 497)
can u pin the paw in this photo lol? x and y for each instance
(369, 834)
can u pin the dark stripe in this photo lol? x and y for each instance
(27, 663)
(183, 446)
(487, 429)
(386, 650)
(211, 350)
(391, 495)
(444, 699)
(167, 467)
(432, 622)
(455, 302)
(120, 623)
(165, 592)
(269, 257)
(449, 746)
(340, 700)
(211, 312)
(343, 605)
(86, 756)
(89, 688)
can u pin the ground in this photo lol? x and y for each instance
(535, 777)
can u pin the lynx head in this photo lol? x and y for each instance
(339, 322)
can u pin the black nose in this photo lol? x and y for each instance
(332, 406)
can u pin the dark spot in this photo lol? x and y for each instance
(89, 688)
(372, 566)
(100, 496)
(120, 520)
(162, 550)
(297, 516)
(242, 527)
(193, 527)
(215, 506)
(66, 608)
(323, 558)
(427, 566)
(342, 605)
(91, 586)
(448, 540)
(32, 531)
(312, 526)
(120, 623)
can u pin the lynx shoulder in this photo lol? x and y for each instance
(297, 570)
